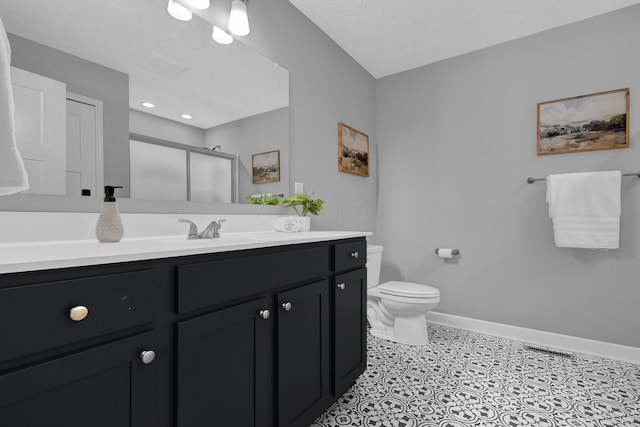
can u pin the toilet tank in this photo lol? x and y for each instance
(374, 262)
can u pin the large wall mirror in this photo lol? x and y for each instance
(113, 57)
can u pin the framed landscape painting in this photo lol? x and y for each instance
(265, 167)
(599, 121)
(353, 151)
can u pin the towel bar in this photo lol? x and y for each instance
(532, 180)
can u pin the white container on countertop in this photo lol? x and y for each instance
(109, 227)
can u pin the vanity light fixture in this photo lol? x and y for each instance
(238, 20)
(178, 11)
(186, 117)
(220, 36)
(148, 105)
(199, 4)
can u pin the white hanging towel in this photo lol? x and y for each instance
(585, 209)
(13, 177)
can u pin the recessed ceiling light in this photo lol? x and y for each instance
(220, 36)
(199, 4)
(148, 105)
(178, 11)
(186, 117)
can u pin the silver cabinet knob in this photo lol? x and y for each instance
(286, 306)
(265, 314)
(78, 313)
(147, 356)
(341, 286)
(355, 254)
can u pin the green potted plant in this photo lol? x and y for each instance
(302, 204)
(264, 199)
(307, 203)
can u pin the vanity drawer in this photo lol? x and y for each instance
(37, 317)
(350, 255)
(210, 283)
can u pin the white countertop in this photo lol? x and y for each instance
(33, 256)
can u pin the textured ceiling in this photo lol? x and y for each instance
(387, 37)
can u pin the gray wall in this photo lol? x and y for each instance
(89, 79)
(256, 134)
(457, 141)
(326, 87)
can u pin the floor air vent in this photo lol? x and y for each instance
(548, 351)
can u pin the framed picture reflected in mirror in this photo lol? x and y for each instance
(265, 167)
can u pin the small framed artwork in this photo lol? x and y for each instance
(599, 121)
(265, 167)
(353, 151)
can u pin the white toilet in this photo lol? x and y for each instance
(396, 310)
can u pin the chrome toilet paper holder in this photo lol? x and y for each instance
(453, 252)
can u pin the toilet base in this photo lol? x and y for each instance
(399, 318)
(406, 330)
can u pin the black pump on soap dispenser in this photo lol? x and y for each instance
(109, 191)
(109, 227)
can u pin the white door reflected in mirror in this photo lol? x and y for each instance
(59, 136)
(40, 130)
(85, 170)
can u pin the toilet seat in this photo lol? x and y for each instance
(408, 290)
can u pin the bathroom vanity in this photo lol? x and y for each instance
(248, 334)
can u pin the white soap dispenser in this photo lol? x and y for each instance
(109, 227)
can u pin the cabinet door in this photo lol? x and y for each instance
(303, 354)
(350, 346)
(103, 387)
(225, 368)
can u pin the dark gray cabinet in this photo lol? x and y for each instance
(225, 367)
(72, 348)
(256, 338)
(304, 363)
(106, 386)
(350, 305)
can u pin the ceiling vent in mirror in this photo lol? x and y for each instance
(164, 66)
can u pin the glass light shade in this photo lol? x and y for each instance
(220, 36)
(186, 116)
(178, 11)
(199, 4)
(238, 20)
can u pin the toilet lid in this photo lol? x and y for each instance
(408, 289)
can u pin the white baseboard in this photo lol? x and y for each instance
(542, 338)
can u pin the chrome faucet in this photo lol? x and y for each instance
(211, 232)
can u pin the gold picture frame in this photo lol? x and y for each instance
(598, 121)
(265, 167)
(353, 150)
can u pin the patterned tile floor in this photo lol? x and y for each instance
(464, 379)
